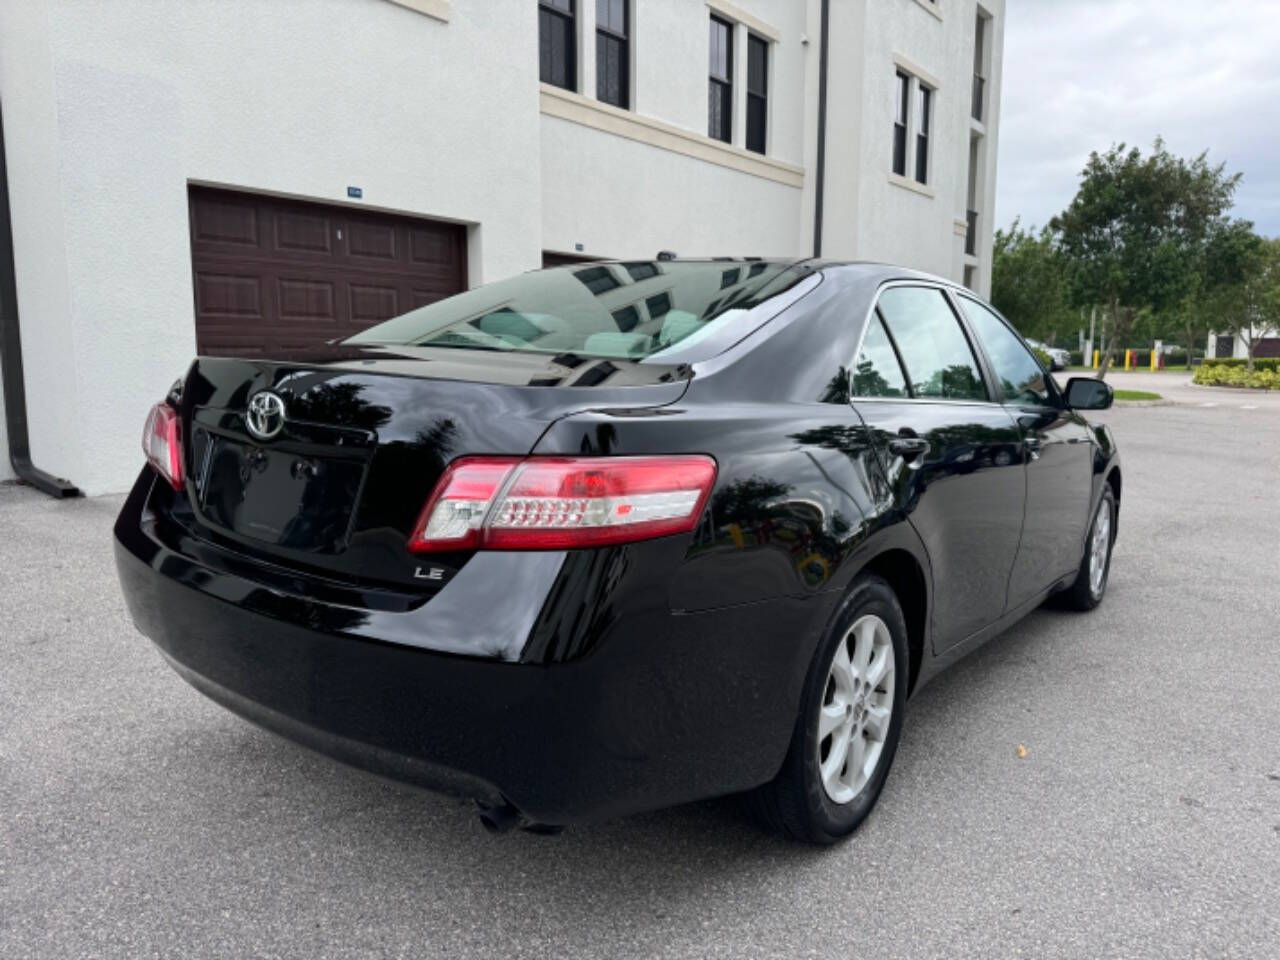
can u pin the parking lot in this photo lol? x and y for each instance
(140, 820)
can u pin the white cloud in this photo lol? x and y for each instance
(1080, 75)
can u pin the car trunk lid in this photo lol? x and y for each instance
(333, 480)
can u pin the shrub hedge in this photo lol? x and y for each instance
(1262, 363)
(1219, 373)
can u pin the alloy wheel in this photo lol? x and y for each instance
(1100, 547)
(857, 705)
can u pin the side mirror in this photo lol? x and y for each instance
(1086, 393)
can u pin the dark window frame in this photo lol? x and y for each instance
(721, 86)
(902, 82)
(924, 118)
(605, 37)
(566, 12)
(757, 93)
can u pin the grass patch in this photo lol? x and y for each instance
(1137, 395)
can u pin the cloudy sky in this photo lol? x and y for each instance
(1082, 74)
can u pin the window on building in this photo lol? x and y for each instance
(934, 350)
(757, 92)
(556, 62)
(924, 101)
(598, 279)
(720, 117)
(613, 53)
(642, 270)
(659, 305)
(902, 84)
(979, 59)
(627, 318)
(970, 277)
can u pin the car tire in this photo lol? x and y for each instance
(1090, 585)
(815, 798)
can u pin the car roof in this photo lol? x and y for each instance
(882, 271)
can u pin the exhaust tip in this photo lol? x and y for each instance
(498, 819)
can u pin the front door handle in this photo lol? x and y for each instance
(1032, 445)
(909, 448)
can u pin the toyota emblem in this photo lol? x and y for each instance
(265, 416)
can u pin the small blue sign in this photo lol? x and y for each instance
(577, 247)
(355, 192)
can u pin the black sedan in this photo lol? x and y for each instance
(599, 539)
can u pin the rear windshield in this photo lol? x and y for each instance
(618, 310)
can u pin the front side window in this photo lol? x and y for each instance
(1021, 378)
(924, 103)
(757, 92)
(720, 89)
(902, 86)
(935, 352)
(877, 372)
(556, 62)
(613, 66)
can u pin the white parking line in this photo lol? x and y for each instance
(1211, 404)
(1249, 406)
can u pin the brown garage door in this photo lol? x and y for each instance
(273, 275)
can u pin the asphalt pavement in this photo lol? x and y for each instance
(138, 819)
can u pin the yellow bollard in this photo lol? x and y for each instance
(1095, 358)
(1153, 362)
(1127, 355)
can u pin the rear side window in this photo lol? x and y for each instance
(877, 373)
(1021, 378)
(937, 356)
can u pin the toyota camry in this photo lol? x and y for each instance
(604, 538)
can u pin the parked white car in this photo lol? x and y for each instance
(1061, 358)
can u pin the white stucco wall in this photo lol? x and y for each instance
(869, 215)
(113, 109)
(664, 201)
(123, 104)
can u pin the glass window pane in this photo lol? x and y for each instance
(627, 318)
(877, 373)
(555, 49)
(938, 358)
(721, 50)
(757, 65)
(900, 108)
(757, 115)
(1021, 378)
(588, 311)
(598, 279)
(721, 110)
(642, 270)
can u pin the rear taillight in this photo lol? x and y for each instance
(558, 503)
(162, 443)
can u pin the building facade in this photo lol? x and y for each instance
(238, 176)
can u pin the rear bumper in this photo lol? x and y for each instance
(666, 708)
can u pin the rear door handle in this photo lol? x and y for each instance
(909, 448)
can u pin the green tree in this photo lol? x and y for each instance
(1218, 296)
(1255, 301)
(1029, 282)
(1135, 232)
